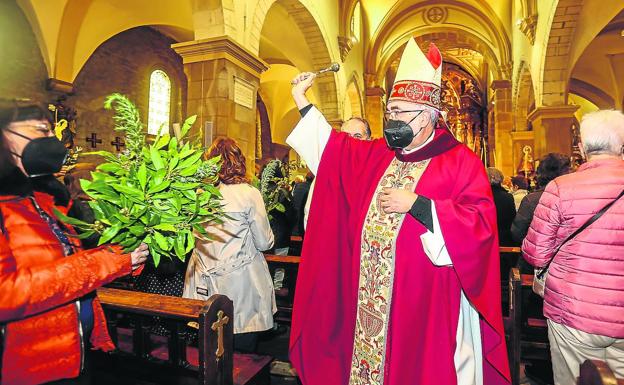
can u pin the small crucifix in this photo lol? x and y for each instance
(118, 143)
(217, 326)
(93, 140)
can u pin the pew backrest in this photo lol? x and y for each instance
(213, 317)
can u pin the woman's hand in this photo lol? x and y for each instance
(139, 256)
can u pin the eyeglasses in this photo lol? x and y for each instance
(393, 114)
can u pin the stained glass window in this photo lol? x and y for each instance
(159, 103)
(356, 22)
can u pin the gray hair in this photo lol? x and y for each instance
(434, 113)
(495, 176)
(602, 132)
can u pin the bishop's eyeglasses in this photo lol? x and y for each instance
(394, 114)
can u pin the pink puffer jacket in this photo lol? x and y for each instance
(585, 284)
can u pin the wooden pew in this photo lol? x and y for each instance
(513, 325)
(176, 358)
(594, 372)
(285, 297)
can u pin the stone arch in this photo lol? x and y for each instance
(79, 36)
(523, 95)
(499, 48)
(595, 95)
(316, 41)
(353, 97)
(453, 37)
(555, 61)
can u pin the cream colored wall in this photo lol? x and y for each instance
(585, 106)
(106, 18)
(45, 19)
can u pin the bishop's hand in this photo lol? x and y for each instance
(301, 83)
(397, 200)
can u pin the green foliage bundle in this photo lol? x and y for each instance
(272, 186)
(156, 193)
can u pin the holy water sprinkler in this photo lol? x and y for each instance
(334, 67)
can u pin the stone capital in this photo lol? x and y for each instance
(500, 84)
(344, 44)
(59, 86)
(221, 47)
(552, 112)
(375, 91)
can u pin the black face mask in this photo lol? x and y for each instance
(42, 156)
(398, 134)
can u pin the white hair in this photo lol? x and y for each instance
(495, 176)
(434, 113)
(602, 132)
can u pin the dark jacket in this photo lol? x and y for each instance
(505, 214)
(521, 223)
(299, 198)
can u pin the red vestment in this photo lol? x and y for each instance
(424, 314)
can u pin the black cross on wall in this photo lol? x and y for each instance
(93, 140)
(118, 143)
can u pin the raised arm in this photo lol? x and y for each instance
(311, 134)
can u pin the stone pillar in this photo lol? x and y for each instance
(501, 126)
(223, 80)
(375, 107)
(552, 129)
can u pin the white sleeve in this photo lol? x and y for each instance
(433, 243)
(310, 137)
(306, 208)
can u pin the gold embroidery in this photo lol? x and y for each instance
(377, 275)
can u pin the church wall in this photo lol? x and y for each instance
(23, 72)
(124, 64)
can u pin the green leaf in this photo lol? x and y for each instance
(191, 170)
(142, 176)
(190, 160)
(190, 241)
(185, 186)
(159, 187)
(161, 240)
(162, 141)
(158, 177)
(155, 255)
(113, 168)
(109, 233)
(130, 191)
(156, 159)
(136, 230)
(84, 235)
(173, 162)
(173, 145)
(165, 227)
(186, 126)
(69, 220)
(178, 246)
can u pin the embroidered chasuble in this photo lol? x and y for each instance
(375, 304)
(377, 275)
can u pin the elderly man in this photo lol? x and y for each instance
(355, 127)
(584, 295)
(390, 292)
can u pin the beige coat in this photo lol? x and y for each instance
(232, 264)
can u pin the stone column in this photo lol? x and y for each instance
(223, 80)
(552, 129)
(374, 108)
(501, 126)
